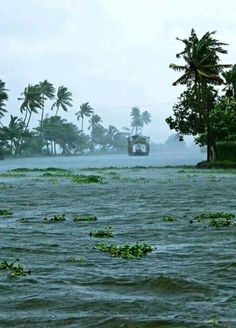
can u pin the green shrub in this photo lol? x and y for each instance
(226, 150)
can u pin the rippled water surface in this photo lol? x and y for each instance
(187, 281)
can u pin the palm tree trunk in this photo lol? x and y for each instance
(82, 124)
(41, 121)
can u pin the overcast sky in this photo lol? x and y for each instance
(115, 54)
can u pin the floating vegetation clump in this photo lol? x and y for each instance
(87, 178)
(56, 218)
(213, 215)
(169, 218)
(14, 269)
(216, 219)
(5, 212)
(125, 251)
(84, 218)
(221, 222)
(102, 233)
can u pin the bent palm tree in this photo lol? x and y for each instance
(85, 111)
(202, 68)
(32, 101)
(63, 99)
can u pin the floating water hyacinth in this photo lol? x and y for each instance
(125, 251)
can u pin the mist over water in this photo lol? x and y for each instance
(154, 159)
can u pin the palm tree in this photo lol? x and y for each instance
(47, 91)
(202, 68)
(85, 110)
(95, 127)
(136, 120)
(230, 81)
(146, 117)
(63, 99)
(32, 101)
(3, 98)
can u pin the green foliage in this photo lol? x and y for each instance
(103, 233)
(213, 215)
(221, 222)
(56, 218)
(4, 212)
(226, 151)
(125, 251)
(87, 179)
(84, 218)
(14, 269)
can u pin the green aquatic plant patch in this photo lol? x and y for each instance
(221, 222)
(169, 218)
(84, 218)
(56, 218)
(213, 215)
(87, 179)
(5, 212)
(102, 233)
(125, 251)
(14, 269)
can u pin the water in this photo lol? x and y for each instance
(187, 281)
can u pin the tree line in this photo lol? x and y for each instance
(54, 134)
(202, 109)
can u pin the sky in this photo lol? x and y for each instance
(114, 54)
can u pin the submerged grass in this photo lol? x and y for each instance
(125, 251)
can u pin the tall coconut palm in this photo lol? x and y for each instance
(47, 91)
(63, 99)
(32, 100)
(202, 67)
(85, 111)
(3, 99)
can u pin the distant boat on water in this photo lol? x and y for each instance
(138, 145)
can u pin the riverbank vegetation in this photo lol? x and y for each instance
(203, 110)
(56, 135)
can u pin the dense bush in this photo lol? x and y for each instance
(226, 150)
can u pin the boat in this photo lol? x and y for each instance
(138, 145)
